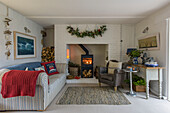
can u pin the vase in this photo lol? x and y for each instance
(135, 60)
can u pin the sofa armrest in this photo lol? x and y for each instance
(62, 67)
(2, 72)
(101, 71)
(42, 81)
(119, 71)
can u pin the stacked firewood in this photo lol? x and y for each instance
(47, 54)
(87, 74)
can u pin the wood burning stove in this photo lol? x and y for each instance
(86, 64)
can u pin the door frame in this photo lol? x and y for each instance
(168, 56)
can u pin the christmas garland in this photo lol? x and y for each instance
(93, 34)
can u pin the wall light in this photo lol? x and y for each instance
(146, 30)
(68, 53)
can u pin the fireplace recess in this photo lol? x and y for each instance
(86, 64)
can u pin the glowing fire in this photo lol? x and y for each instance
(87, 60)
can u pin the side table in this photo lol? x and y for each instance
(131, 92)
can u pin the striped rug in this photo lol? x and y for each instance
(92, 95)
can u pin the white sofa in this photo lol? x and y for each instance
(44, 94)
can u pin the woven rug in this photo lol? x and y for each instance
(92, 95)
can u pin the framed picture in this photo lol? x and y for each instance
(149, 42)
(24, 46)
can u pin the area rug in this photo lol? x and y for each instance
(92, 95)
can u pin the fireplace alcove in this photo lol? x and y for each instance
(88, 57)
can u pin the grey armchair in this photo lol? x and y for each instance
(115, 79)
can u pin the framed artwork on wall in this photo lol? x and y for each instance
(24, 46)
(149, 42)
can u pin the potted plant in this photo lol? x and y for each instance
(139, 84)
(134, 55)
(74, 69)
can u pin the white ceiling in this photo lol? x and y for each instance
(49, 12)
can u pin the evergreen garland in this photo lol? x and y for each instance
(93, 34)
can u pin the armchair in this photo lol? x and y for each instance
(115, 79)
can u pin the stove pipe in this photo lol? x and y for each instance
(84, 48)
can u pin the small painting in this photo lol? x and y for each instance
(24, 45)
(150, 42)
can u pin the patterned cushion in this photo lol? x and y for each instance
(39, 68)
(26, 69)
(113, 65)
(50, 68)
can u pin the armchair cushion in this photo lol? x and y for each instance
(113, 65)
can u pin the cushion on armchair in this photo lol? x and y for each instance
(113, 65)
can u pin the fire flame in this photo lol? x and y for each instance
(87, 60)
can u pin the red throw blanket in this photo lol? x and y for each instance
(19, 83)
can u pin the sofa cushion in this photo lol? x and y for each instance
(54, 79)
(30, 65)
(50, 68)
(39, 68)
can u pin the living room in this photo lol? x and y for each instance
(83, 55)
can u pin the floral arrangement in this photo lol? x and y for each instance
(93, 34)
(135, 53)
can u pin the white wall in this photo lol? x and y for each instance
(18, 23)
(111, 37)
(49, 39)
(128, 38)
(156, 23)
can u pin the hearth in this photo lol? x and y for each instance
(86, 64)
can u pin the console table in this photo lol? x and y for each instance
(150, 73)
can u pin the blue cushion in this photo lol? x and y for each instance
(30, 65)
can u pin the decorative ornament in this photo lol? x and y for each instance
(8, 43)
(7, 34)
(44, 34)
(93, 34)
(27, 30)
